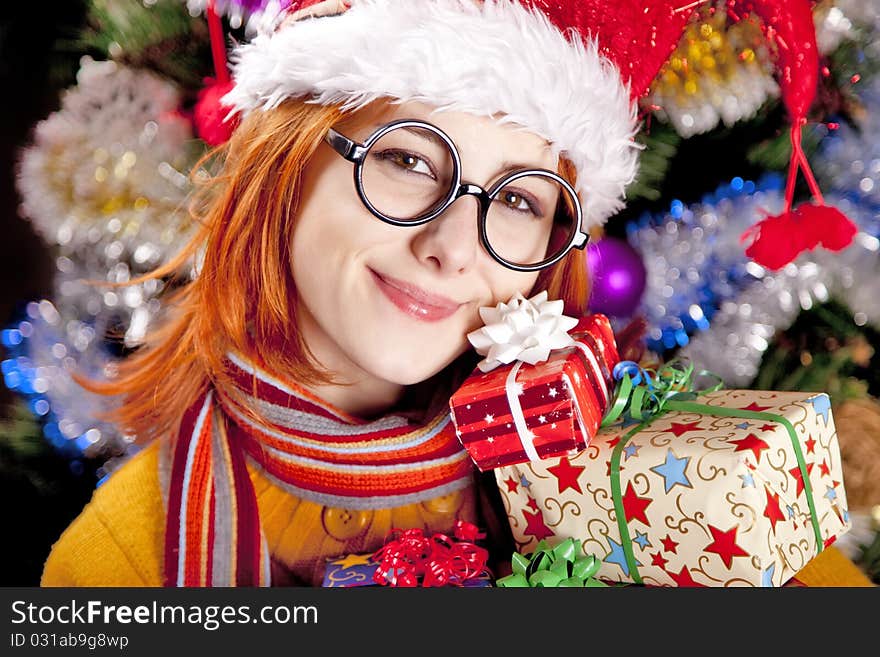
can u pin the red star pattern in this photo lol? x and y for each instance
(683, 578)
(796, 473)
(754, 407)
(511, 484)
(824, 467)
(679, 428)
(811, 445)
(669, 545)
(724, 545)
(659, 560)
(567, 474)
(608, 469)
(536, 526)
(634, 506)
(613, 442)
(767, 427)
(772, 510)
(753, 443)
(532, 503)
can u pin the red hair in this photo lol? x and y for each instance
(244, 298)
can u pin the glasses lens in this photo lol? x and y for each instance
(531, 220)
(408, 173)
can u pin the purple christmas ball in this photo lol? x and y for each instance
(617, 276)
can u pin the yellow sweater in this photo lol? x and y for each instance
(118, 539)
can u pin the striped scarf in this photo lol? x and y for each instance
(316, 452)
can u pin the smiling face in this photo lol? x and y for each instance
(390, 306)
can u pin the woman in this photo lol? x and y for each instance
(398, 165)
(312, 358)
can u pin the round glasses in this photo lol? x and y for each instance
(408, 172)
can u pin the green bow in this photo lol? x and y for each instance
(563, 565)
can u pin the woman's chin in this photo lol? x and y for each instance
(407, 367)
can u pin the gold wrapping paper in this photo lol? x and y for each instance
(708, 500)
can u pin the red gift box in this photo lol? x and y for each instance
(520, 412)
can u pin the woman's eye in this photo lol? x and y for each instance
(408, 161)
(518, 202)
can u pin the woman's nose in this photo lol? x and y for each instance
(451, 242)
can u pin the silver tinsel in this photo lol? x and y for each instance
(747, 303)
(111, 165)
(105, 182)
(58, 347)
(694, 260)
(744, 327)
(834, 24)
(849, 162)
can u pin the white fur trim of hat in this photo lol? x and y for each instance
(491, 58)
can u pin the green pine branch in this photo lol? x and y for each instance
(823, 351)
(22, 447)
(160, 36)
(660, 146)
(869, 559)
(858, 56)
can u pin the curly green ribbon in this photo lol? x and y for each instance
(646, 395)
(643, 394)
(560, 566)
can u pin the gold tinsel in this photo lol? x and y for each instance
(718, 72)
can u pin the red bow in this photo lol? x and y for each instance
(411, 558)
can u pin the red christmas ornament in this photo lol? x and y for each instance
(209, 114)
(777, 240)
(826, 225)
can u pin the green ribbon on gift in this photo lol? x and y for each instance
(560, 566)
(646, 395)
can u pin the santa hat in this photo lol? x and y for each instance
(570, 72)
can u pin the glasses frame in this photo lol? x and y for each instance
(357, 152)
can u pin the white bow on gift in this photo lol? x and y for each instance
(522, 329)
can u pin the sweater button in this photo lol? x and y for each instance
(445, 504)
(344, 524)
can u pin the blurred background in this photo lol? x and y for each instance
(110, 104)
(44, 489)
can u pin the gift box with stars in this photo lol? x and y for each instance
(521, 411)
(706, 499)
(358, 570)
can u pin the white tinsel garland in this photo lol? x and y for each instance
(111, 164)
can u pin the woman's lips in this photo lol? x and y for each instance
(415, 301)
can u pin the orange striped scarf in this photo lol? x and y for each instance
(317, 452)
